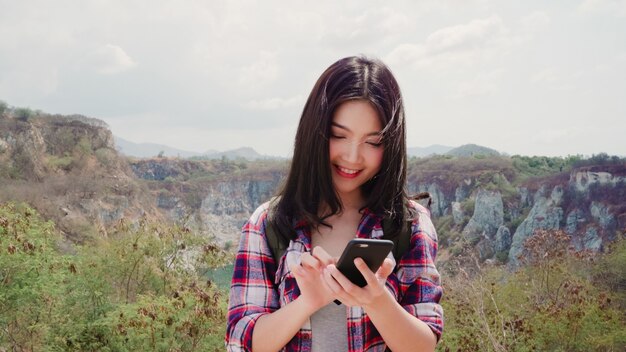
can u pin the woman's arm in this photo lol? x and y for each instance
(400, 330)
(416, 322)
(275, 330)
(255, 319)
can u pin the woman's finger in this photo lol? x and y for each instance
(385, 269)
(320, 254)
(296, 270)
(331, 282)
(343, 281)
(310, 262)
(369, 276)
(338, 291)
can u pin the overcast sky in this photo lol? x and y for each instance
(522, 77)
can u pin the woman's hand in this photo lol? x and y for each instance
(353, 295)
(309, 276)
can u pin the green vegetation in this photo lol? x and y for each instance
(144, 286)
(106, 156)
(558, 301)
(63, 163)
(23, 114)
(140, 289)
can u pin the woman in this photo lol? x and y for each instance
(347, 174)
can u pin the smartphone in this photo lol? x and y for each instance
(373, 252)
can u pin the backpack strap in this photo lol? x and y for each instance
(401, 242)
(276, 242)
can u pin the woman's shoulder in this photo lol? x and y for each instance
(260, 214)
(418, 208)
(422, 222)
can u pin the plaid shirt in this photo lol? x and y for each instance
(261, 286)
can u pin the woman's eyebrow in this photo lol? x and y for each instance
(335, 124)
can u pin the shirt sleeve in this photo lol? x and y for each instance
(252, 291)
(418, 280)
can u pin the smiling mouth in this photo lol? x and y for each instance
(348, 173)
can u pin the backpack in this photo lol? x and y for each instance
(401, 242)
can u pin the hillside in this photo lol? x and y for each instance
(149, 150)
(152, 150)
(472, 150)
(531, 249)
(69, 170)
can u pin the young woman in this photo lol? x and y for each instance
(347, 174)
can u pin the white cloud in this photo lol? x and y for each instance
(276, 141)
(375, 26)
(261, 72)
(605, 7)
(35, 80)
(207, 66)
(535, 20)
(551, 136)
(109, 59)
(466, 44)
(275, 103)
(465, 35)
(555, 79)
(482, 84)
(544, 76)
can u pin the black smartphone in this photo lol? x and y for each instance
(373, 252)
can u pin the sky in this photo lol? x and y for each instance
(522, 77)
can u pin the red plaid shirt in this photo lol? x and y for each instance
(261, 286)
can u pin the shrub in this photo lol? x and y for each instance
(134, 291)
(23, 114)
(468, 206)
(105, 156)
(548, 305)
(64, 163)
(3, 107)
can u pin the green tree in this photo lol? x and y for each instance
(3, 107)
(23, 114)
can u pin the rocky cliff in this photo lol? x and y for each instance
(495, 217)
(215, 197)
(68, 169)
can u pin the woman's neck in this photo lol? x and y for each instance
(352, 201)
(349, 204)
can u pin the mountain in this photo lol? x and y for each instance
(68, 168)
(149, 150)
(239, 153)
(428, 151)
(472, 150)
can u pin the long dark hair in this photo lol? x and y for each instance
(309, 182)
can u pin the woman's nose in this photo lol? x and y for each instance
(352, 151)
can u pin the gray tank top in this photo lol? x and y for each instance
(329, 329)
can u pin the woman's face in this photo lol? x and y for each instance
(356, 149)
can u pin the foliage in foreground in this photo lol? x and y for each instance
(140, 289)
(558, 301)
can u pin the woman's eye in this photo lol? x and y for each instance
(336, 136)
(375, 142)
